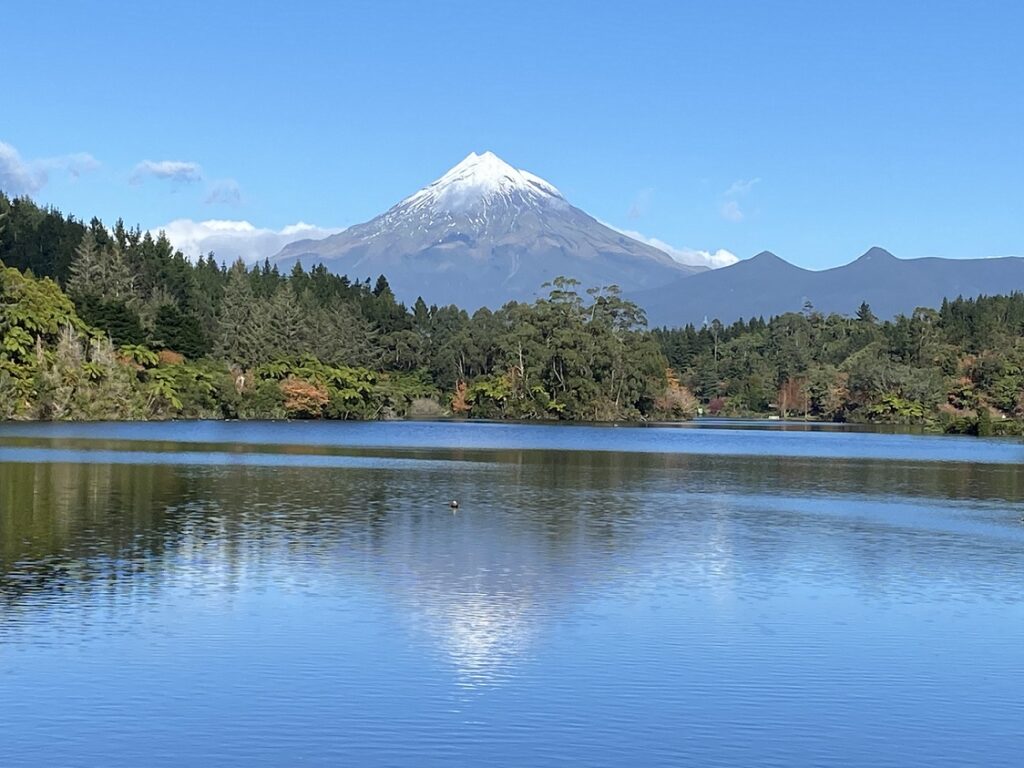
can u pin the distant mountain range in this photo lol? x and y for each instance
(486, 233)
(766, 285)
(483, 234)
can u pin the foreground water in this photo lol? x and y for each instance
(279, 594)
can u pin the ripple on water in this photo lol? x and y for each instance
(166, 607)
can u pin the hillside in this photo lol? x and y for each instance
(766, 285)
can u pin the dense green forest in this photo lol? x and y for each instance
(959, 367)
(100, 323)
(110, 322)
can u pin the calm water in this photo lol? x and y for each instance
(281, 594)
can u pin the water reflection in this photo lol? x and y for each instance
(642, 589)
(532, 533)
(482, 632)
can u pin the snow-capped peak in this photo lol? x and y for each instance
(478, 179)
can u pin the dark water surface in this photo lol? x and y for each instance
(300, 594)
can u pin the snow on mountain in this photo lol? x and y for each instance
(485, 233)
(481, 180)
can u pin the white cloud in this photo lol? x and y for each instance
(741, 186)
(76, 164)
(27, 177)
(692, 257)
(230, 240)
(17, 177)
(180, 171)
(731, 211)
(224, 192)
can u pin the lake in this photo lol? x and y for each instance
(302, 594)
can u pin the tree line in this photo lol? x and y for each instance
(115, 323)
(112, 322)
(959, 368)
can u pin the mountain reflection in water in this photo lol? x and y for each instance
(592, 606)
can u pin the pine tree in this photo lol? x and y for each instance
(287, 327)
(241, 322)
(178, 331)
(864, 313)
(116, 275)
(86, 273)
(100, 272)
(342, 336)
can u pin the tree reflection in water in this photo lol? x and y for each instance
(537, 532)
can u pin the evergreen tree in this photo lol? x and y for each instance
(865, 315)
(286, 326)
(180, 332)
(85, 272)
(241, 323)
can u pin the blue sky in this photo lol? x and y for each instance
(813, 129)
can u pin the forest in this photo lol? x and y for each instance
(101, 322)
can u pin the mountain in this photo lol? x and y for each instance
(766, 285)
(483, 234)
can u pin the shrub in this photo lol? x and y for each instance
(303, 399)
(170, 357)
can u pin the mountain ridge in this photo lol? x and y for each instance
(485, 233)
(766, 285)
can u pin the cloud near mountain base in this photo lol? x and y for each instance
(692, 257)
(231, 240)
